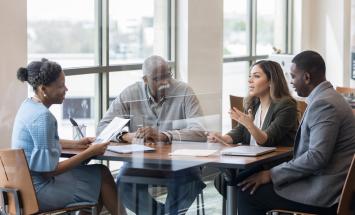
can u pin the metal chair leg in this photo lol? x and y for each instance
(202, 206)
(94, 210)
(202, 203)
(198, 204)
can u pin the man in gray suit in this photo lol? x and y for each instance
(324, 145)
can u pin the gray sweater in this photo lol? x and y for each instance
(179, 115)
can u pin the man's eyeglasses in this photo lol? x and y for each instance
(165, 76)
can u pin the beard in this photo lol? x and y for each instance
(163, 87)
(161, 91)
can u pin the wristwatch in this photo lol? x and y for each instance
(119, 136)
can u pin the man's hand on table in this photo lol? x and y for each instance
(149, 134)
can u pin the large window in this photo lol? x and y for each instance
(235, 28)
(65, 37)
(101, 45)
(271, 26)
(136, 32)
(253, 29)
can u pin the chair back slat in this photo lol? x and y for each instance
(301, 108)
(347, 90)
(347, 198)
(14, 173)
(236, 101)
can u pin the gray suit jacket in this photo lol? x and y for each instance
(324, 146)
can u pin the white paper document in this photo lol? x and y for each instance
(248, 150)
(193, 152)
(129, 148)
(111, 130)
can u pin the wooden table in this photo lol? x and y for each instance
(161, 160)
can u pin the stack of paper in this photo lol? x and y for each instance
(129, 148)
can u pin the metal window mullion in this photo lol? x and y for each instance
(105, 56)
(289, 27)
(249, 27)
(244, 58)
(98, 91)
(169, 29)
(253, 27)
(82, 70)
(172, 23)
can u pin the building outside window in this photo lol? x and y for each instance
(101, 45)
(252, 29)
(101, 49)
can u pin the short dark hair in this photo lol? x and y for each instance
(311, 62)
(38, 73)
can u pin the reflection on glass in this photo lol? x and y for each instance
(58, 32)
(271, 26)
(137, 32)
(235, 28)
(120, 80)
(162, 103)
(235, 82)
(178, 113)
(79, 103)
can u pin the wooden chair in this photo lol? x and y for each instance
(346, 90)
(347, 199)
(236, 101)
(17, 194)
(301, 108)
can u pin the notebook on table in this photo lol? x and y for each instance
(131, 148)
(248, 150)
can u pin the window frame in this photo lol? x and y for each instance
(252, 57)
(104, 68)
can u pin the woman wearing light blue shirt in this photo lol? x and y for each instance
(64, 183)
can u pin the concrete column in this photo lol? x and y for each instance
(13, 54)
(199, 56)
(324, 26)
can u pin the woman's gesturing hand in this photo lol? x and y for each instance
(245, 119)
